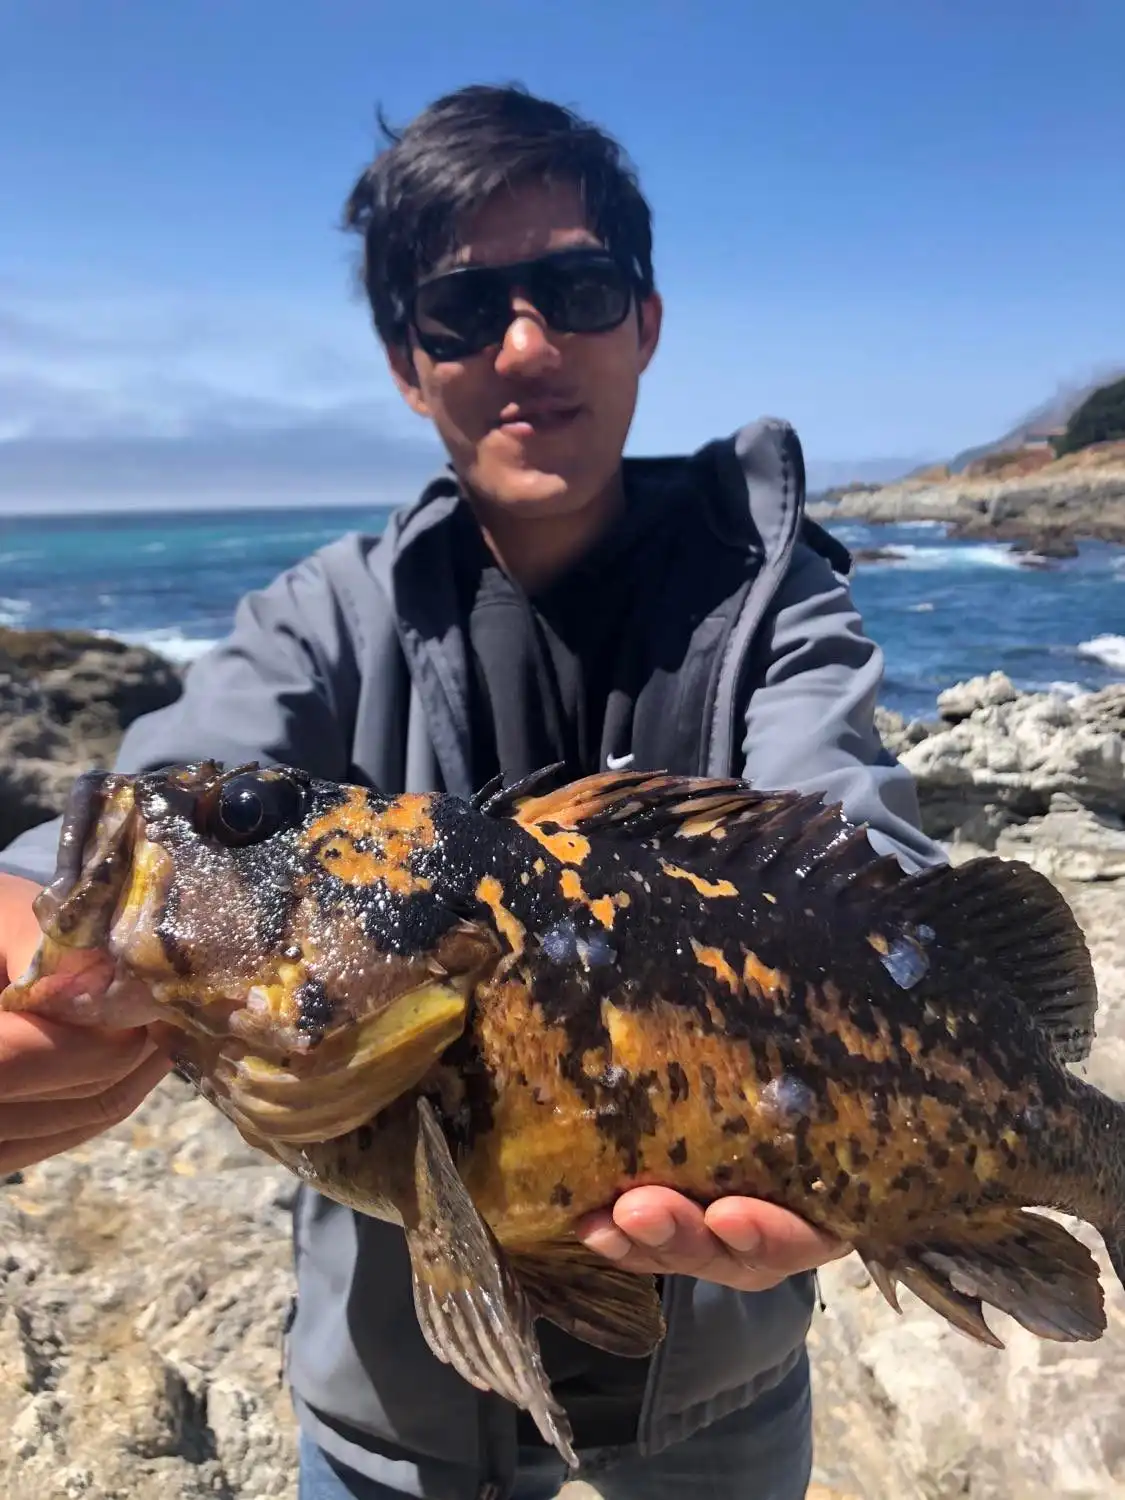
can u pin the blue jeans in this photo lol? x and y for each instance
(738, 1458)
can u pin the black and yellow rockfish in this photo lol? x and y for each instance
(483, 1018)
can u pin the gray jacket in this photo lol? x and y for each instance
(352, 665)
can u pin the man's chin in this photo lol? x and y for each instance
(534, 495)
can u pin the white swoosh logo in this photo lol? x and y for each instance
(619, 762)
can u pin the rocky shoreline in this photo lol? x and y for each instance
(144, 1279)
(1026, 497)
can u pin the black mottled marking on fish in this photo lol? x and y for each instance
(478, 1116)
(364, 1137)
(839, 1186)
(777, 1162)
(167, 935)
(627, 1116)
(314, 1008)
(735, 1125)
(911, 1173)
(677, 1152)
(723, 1175)
(940, 1155)
(274, 887)
(762, 1065)
(561, 1195)
(859, 1156)
(710, 1088)
(677, 1082)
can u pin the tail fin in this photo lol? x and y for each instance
(1024, 1264)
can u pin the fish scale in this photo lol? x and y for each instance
(482, 1018)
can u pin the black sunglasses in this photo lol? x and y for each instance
(460, 312)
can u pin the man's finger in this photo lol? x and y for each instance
(770, 1237)
(40, 1058)
(39, 1120)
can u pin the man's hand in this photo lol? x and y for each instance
(59, 1085)
(738, 1242)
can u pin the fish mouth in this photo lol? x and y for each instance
(76, 908)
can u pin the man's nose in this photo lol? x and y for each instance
(527, 348)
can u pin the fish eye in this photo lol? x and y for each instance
(252, 808)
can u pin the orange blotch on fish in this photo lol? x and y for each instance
(912, 1042)
(604, 910)
(397, 833)
(568, 847)
(708, 888)
(696, 828)
(716, 960)
(491, 892)
(759, 978)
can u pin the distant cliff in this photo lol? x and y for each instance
(1024, 495)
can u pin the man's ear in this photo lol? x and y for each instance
(651, 319)
(400, 358)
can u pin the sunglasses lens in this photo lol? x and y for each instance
(462, 312)
(581, 295)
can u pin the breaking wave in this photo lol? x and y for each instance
(168, 642)
(922, 559)
(12, 611)
(1108, 649)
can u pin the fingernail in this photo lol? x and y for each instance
(653, 1231)
(746, 1240)
(609, 1242)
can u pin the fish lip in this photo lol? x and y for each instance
(99, 826)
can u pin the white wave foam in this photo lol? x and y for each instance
(168, 642)
(1108, 649)
(12, 611)
(1059, 688)
(922, 559)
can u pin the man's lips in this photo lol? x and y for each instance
(523, 421)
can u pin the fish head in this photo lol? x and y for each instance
(291, 930)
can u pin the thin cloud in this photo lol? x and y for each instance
(107, 401)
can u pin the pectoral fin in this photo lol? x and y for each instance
(471, 1308)
(589, 1297)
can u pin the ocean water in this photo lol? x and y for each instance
(943, 611)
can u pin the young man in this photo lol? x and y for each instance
(543, 600)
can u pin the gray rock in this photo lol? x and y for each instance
(66, 698)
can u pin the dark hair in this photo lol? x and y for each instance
(456, 154)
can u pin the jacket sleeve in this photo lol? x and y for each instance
(810, 719)
(280, 688)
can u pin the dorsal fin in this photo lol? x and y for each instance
(1000, 914)
(499, 799)
(713, 821)
(1006, 917)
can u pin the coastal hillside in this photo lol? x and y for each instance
(1038, 426)
(1027, 496)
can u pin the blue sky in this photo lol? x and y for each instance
(898, 225)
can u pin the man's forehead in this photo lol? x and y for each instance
(520, 223)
